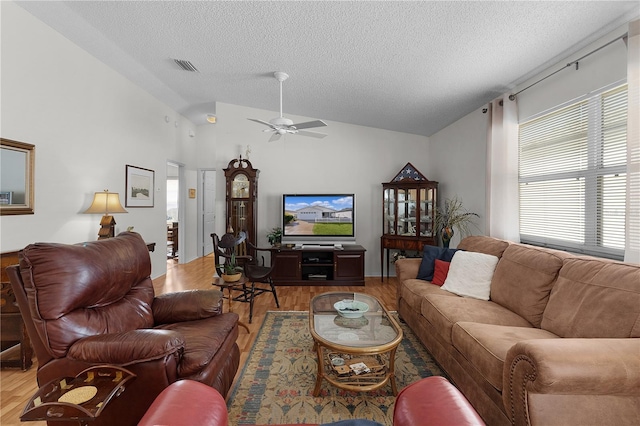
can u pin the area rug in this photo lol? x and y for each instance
(277, 381)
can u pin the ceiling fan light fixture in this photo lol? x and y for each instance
(211, 118)
(281, 121)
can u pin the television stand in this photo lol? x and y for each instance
(319, 265)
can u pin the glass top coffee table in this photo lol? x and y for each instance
(356, 347)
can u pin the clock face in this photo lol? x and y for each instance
(240, 186)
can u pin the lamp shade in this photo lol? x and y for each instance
(106, 203)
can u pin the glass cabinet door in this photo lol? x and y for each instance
(389, 211)
(407, 212)
(426, 212)
(239, 215)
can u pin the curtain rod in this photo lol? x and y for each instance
(512, 97)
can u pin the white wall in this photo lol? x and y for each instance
(350, 159)
(87, 122)
(594, 72)
(457, 159)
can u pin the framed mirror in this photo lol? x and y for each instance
(17, 161)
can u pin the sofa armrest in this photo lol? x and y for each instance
(129, 347)
(186, 306)
(187, 402)
(568, 367)
(407, 268)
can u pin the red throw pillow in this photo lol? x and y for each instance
(440, 272)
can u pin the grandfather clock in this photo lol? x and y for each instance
(242, 196)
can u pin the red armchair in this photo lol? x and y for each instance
(93, 303)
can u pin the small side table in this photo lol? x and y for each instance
(81, 398)
(218, 281)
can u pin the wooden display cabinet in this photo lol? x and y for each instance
(408, 212)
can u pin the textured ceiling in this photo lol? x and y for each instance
(412, 67)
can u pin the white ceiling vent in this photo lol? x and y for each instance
(186, 65)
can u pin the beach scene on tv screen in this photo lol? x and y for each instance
(318, 215)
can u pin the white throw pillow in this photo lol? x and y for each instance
(470, 274)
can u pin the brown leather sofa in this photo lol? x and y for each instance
(93, 303)
(558, 343)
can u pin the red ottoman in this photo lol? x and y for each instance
(187, 402)
(433, 401)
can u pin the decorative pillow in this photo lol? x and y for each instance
(440, 272)
(470, 274)
(429, 256)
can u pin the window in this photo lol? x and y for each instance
(572, 175)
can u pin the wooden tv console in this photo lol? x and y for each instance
(319, 265)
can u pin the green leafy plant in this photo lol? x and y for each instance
(230, 266)
(275, 235)
(454, 216)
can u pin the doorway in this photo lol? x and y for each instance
(173, 213)
(207, 205)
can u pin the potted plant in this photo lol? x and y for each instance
(231, 272)
(453, 215)
(275, 236)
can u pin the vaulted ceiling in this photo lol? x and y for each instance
(412, 67)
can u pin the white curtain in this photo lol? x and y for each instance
(632, 237)
(502, 215)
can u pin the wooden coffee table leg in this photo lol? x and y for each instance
(316, 389)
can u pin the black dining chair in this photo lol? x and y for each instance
(257, 274)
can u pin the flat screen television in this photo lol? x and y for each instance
(318, 218)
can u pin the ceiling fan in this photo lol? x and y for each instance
(281, 126)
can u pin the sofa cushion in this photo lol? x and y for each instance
(444, 311)
(414, 291)
(485, 346)
(482, 244)
(429, 256)
(594, 298)
(203, 338)
(523, 279)
(440, 272)
(470, 274)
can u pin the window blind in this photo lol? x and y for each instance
(572, 175)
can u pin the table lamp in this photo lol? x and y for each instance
(106, 203)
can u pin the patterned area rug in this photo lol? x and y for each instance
(276, 383)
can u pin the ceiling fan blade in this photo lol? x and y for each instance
(274, 137)
(266, 123)
(309, 124)
(312, 134)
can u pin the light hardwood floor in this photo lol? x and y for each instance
(16, 387)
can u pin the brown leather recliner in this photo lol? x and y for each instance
(93, 304)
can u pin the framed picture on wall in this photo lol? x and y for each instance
(139, 187)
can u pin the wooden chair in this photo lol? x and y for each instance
(257, 274)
